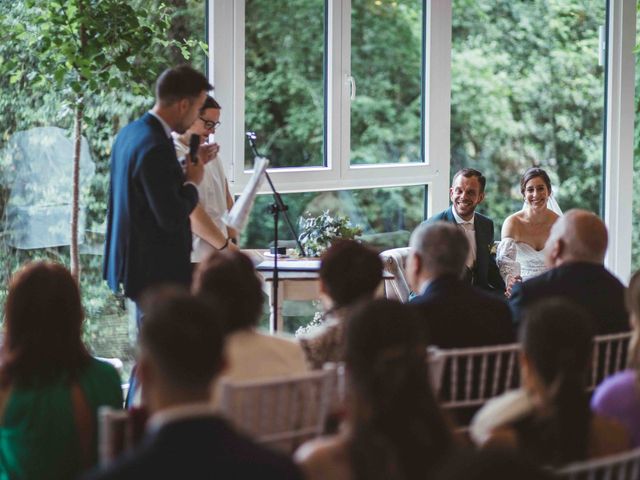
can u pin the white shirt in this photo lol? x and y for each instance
(470, 231)
(212, 194)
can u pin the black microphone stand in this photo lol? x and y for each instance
(274, 209)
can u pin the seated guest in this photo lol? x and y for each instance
(454, 313)
(50, 387)
(230, 280)
(548, 418)
(394, 427)
(575, 252)
(349, 272)
(618, 397)
(180, 355)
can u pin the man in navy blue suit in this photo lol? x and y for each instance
(181, 353)
(454, 313)
(148, 238)
(466, 193)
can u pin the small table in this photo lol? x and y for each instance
(300, 284)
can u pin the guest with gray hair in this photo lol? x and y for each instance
(455, 314)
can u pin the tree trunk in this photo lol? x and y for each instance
(77, 139)
(75, 205)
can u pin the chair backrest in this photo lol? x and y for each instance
(280, 412)
(113, 434)
(474, 375)
(623, 466)
(394, 262)
(609, 356)
(119, 431)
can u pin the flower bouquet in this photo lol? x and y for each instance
(317, 233)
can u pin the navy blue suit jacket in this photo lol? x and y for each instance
(148, 238)
(458, 315)
(486, 273)
(199, 448)
(588, 285)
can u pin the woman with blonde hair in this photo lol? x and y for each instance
(618, 397)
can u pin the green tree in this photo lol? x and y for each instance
(81, 46)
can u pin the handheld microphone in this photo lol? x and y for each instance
(194, 144)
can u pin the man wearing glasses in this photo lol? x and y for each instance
(209, 231)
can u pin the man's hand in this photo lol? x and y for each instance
(193, 172)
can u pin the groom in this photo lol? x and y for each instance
(466, 193)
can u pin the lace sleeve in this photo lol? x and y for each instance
(506, 258)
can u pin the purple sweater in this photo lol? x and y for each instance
(618, 398)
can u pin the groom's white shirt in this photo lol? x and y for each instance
(470, 231)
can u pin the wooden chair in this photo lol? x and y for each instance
(623, 466)
(281, 412)
(609, 357)
(474, 375)
(394, 262)
(118, 431)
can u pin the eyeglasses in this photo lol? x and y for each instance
(209, 125)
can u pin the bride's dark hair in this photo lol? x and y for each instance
(534, 172)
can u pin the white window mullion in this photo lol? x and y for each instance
(620, 124)
(345, 88)
(226, 72)
(437, 122)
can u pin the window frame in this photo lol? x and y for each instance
(227, 70)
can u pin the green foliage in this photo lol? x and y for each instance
(317, 233)
(40, 61)
(84, 47)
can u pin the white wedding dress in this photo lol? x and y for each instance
(519, 258)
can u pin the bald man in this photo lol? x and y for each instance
(575, 252)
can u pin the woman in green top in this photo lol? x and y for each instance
(50, 387)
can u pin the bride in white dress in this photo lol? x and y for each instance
(520, 254)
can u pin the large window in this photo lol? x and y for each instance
(339, 92)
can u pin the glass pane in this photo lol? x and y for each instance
(284, 83)
(386, 215)
(36, 156)
(386, 63)
(527, 90)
